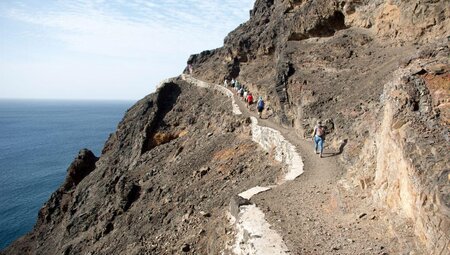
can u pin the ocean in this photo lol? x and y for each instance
(38, 141)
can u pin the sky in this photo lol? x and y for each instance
(105, 49)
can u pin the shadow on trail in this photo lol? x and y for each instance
(339, 152)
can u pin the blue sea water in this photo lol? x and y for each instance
(38, 141)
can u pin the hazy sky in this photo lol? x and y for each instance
(105, 49)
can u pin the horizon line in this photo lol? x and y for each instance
(66, 99)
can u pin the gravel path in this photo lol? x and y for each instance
(320, 213)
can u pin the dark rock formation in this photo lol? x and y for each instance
(83, 165)
(377, 73)
(235, 202)
(57, 206)
(363, 66)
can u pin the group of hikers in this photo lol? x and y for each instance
(244, 93)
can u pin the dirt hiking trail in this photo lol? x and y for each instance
(319, 212)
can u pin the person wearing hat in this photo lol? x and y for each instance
(260, 106)
(319, 138)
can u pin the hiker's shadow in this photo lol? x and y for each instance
(339, 152)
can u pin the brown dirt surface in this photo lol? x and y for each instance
(319, 214)
(376, 73)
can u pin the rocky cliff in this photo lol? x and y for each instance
(161, 184)
(378, 74)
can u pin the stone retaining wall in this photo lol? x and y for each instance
(253, 233)
(219, 88)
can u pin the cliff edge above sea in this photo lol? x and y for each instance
(192, 169)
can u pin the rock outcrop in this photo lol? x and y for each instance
(376, 72)
(57, 206)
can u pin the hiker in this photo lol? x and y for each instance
(319, 137)
(238, 85)
(225, 82)
(233, 82)
(249, 99)
(245, 95)
(260, 106)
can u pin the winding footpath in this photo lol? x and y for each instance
(306, 212)
(254, 234)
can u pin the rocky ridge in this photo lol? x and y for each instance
(377, 72)
(162, 183)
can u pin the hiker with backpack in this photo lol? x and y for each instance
(249, 99)
(319, 138)
(260, 106)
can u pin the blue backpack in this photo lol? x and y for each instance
(260, 104)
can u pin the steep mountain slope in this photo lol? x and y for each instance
(377, 73)
(161, 184)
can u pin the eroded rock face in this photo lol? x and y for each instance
(52, 212)
(292, 46)
(83, 165)
(377, 72)
(412, 159)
